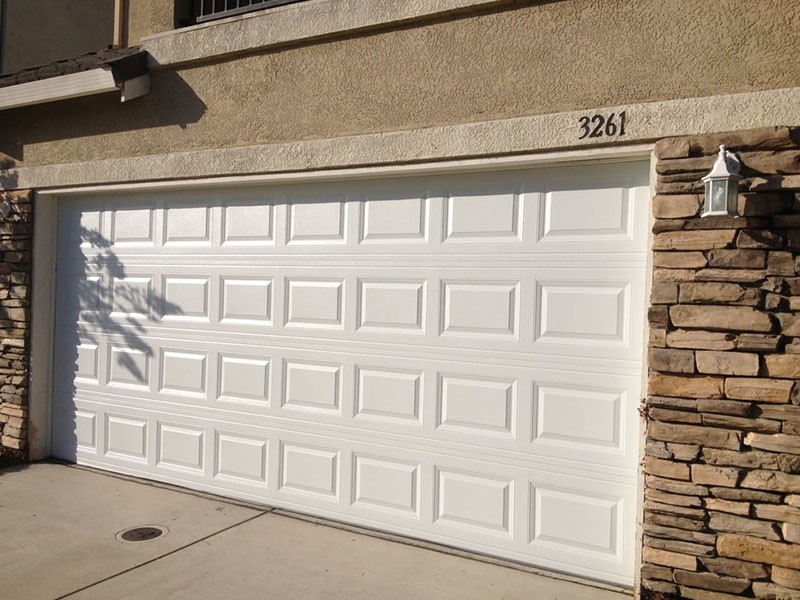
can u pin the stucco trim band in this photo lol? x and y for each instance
(291, 24)
(560, 131)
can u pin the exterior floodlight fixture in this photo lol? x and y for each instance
(722, 186)
(5, 208)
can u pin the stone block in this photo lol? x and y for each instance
(711, 581)
(735, 408)
(661, 275)
(747, 460)
(671, 360)
(743, 423)
(664, 293)
(730, 318)
(778, 442)
(791, 532)
(772, 481)
(759, 238)
(686, 386)
(715, 475)
(672, 509)
(676, 521)
(674, 533)
(690, 548)
(783, 365)
(726, 363)
(745, 495)
(735, 508)
(771, 591)
(737, 259)
(676, 206)
(675, 416)
(726, 522)
(780, 263)
(789, 324)
(691, 434)
(708, 239)
(669, 559)
(759, 550)
(735, 568)
(699, 594)
(673, 486)
(682, 260)
(732, 275)
(758, 389)
(673, 499)
(718, 292)
(777, 512)
(655, 572)
(701, 340)
(756, 342)
(666, 468)
(676, 403)
(676, 147)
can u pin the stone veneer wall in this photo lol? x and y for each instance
(722, 464)
(16, 240)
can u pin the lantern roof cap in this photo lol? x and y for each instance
(726, 166)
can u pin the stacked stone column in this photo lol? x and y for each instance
(16, 240)
(722, 465)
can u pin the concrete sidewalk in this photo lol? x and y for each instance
(57, 540)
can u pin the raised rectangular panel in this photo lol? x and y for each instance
(488, 216)
(243, 379)
(312, 303)
(476, 405)
(387, 217)
(575, 520)
(185, 297)
(128, 366)
(586, 214)
(180, 447)
(187, 224)
(583, 312)
(248, 223)
(132, 226)
(386, 484)
(85, 429)
(131, 296)
(474, 501)
(570, 416)
(90, 294)
(312, 386)
(241, 457)
(388, 394)
(479, 309)
(91, 229)
(395, 305)
(183, 372)
(309, 469)
(86, 362)
(247, 300)
(316, 222)
(126, 437)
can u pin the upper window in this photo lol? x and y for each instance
(206, 10)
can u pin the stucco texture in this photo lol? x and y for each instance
(37, 32)
(528, 58)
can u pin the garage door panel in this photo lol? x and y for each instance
(454, 357)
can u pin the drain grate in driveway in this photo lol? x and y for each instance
(144, 533)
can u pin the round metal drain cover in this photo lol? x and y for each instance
(145, 533)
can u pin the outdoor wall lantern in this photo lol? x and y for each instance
(722, 186)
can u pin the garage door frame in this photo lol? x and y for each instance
(45, 234)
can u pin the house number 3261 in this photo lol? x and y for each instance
(597, 126)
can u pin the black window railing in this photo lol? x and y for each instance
(207, 10)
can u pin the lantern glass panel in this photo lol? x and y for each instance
(716, 196)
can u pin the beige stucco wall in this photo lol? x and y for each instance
(537, 58)
(41, 31)
(146, 17)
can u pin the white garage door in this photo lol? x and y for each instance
(455, 358)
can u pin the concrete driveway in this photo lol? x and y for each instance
(57, 540)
